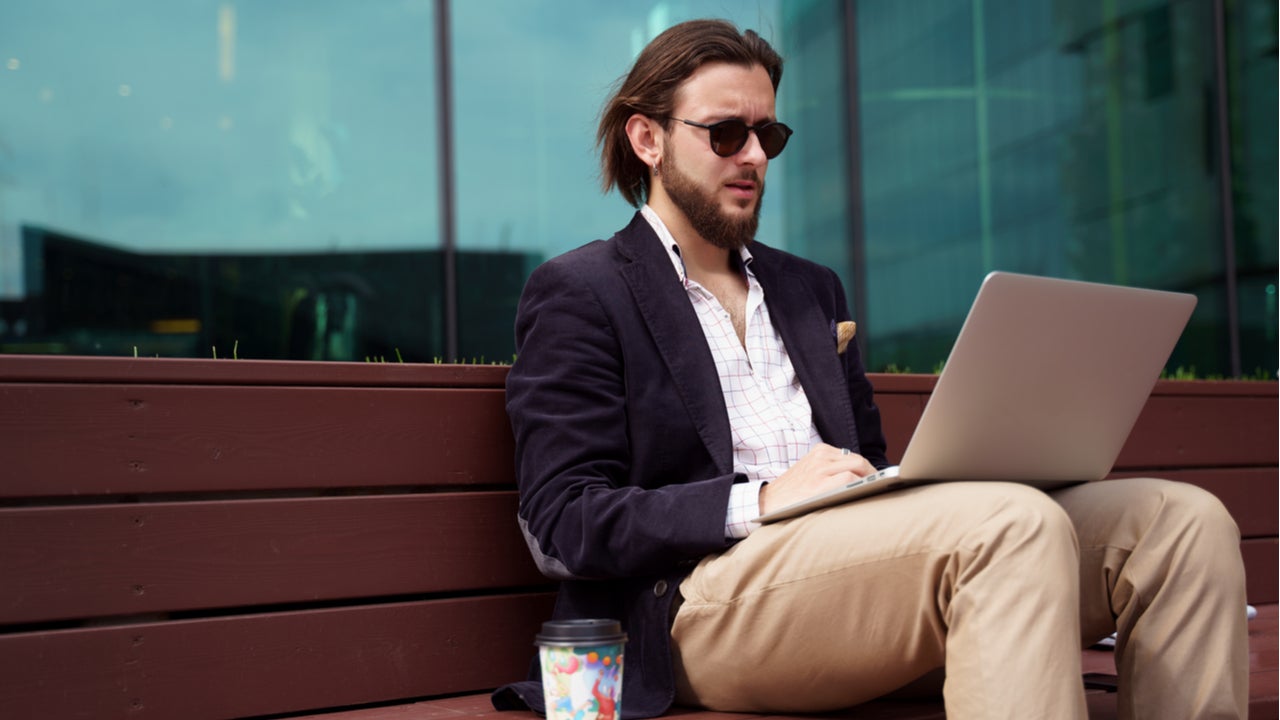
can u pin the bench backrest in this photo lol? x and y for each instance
(186, 538)
(224, 539)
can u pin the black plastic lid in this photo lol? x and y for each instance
(580, 632)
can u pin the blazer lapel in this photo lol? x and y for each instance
(810, 340)
(673, 324)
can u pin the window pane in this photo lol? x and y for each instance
(1063, 139)
(530, 80)
(184, 176)
(817, 214)
(1251, 76)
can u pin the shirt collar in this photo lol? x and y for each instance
(673, 248)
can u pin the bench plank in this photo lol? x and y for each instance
(1262, 569)
(1184, 424)
(1203, 431)
(193, 371)
(270, 663)
(899, 413)
(93, 561)
(175, 438)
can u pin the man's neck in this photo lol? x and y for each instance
(701, 258)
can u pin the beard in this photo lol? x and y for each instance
(704, 213)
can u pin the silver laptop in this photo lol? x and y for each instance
(1043, 385)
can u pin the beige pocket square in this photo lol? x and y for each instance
(844, 333)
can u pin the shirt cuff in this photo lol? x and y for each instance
(744, 508)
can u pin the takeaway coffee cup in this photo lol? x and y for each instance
(582, 668)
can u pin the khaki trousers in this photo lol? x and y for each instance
(999, 583)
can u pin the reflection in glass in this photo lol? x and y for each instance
(180, 177)
(1251, 60)
(530, 80)
(1054, 138)
(264, 169)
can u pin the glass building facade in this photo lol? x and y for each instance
(333, 180)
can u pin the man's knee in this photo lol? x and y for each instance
(1203, 508)
(1211, 537)
(1022, 515)
(1181, 530)
(1192, 510)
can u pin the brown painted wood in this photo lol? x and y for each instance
(1262, 691)
(1203, 431)
(1184, 424)
(1244, 388)
(93, 561)
(184, 371)
(260, 664)
(111, 439)
(189, 371)
(918, 383)
(1263, 703)
(150, 438)
(1262, 569)
(899, 413)
(85, 562)
(885, 383)
(215, 439)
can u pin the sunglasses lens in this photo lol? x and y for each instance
(728, 137)
(773, 138)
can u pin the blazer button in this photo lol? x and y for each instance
(660, 588)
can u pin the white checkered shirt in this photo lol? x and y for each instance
(769, 413)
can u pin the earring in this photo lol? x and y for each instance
(657, 168)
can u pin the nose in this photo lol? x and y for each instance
(753, 152)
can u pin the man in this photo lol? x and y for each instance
(678, 380)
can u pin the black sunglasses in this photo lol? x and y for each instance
(730, 136)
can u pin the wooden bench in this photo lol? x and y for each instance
(234, 538)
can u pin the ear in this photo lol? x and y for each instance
(646, 137)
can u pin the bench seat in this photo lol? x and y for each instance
(1263, 701)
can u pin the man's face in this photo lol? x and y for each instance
(720, 196)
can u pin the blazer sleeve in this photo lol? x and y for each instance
(583, 512)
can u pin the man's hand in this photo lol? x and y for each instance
(822, 469)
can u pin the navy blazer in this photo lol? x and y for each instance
(624, 457)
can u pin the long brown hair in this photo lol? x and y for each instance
(650, 88)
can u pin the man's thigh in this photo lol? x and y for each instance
(849, 603)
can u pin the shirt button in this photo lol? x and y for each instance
(660, 588)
